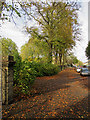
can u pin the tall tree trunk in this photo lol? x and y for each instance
(60, 58)
(56, 57)
(55, 54)
(50, 54)
(63, 59)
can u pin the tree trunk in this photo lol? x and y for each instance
(63, 59)
(50, 54)
(56, 57)
(60, 58)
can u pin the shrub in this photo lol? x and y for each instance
(27, 77)
(17, 67)
(32, 69)
(42, 69)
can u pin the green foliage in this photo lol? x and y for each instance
(34, 49)
(88, 50)
(53, 17)
(57, 28)
(71, 59)
(75, 60)
(10, 48)
(42, 69)
(50, 69)
(56, 32)
(80, 63)
(17, 67)
(27, 77)
(32, 69)
(8, 9)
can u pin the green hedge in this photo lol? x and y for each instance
(32, 69)
(42, 69)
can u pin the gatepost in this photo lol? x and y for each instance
(7, 79)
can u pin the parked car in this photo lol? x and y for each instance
(85, 71)
(78, 69)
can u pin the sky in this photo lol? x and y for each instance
(17, 34)
(79, 49)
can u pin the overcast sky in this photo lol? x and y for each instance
(15, 32)
(79, 49)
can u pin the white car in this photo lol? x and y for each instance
(84, 71)
(78, 69)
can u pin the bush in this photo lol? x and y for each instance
(17, 67)
(35, 66)
(32, 69)
(42, 69)
(27, 77)
(50, 69)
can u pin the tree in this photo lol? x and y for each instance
(1, 6)
(51, 17)
(57, 24)
(34, 49)
(8, 9)
(80, 63)
(88, 50)
(8, 47)
(71, 59)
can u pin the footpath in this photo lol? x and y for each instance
(64, 95)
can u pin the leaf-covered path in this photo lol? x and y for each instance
(64, 95)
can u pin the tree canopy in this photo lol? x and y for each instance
(57, 26)
(10, 48)
(56, 29)
(88, 50)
